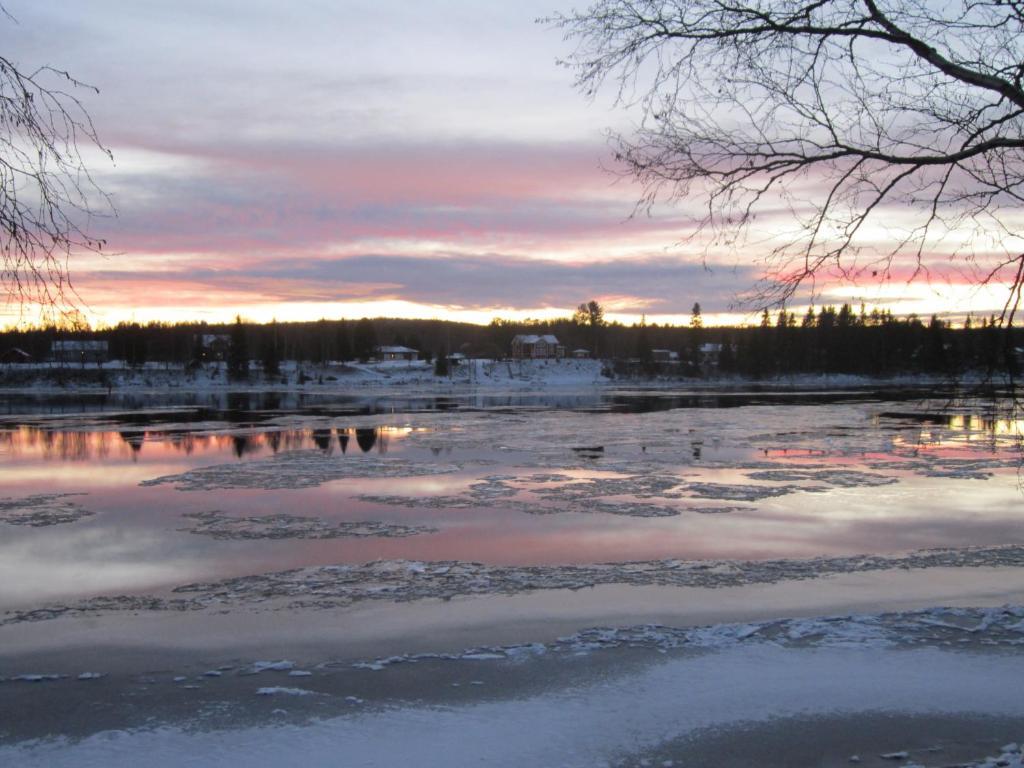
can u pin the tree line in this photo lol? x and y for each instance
(823, 340)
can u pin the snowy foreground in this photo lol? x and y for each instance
(870, 690)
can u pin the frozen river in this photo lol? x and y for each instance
(223, 528)
(103, 500)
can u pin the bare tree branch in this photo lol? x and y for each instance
(48, 199)
(841, 113)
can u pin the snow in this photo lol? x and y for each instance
(583, 726)
(472, 374)
(280, 690)
(282, 665)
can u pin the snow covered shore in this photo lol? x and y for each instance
(418, 375)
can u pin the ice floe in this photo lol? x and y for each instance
(931, 627)
(284, 526)
(840, 478)
(41, 510)
(282, 665)
(296, 469)
(333, 586)
(739, 492)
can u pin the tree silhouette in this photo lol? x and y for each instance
(238, 351)
(270, 350)
(48, 198)
(835, 112)
(591, 315)
(364, 339)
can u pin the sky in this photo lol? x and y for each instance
(295, 161)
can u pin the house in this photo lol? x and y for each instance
(213, 346)
(708, 356)
(15, 355)
(581, 354)
(397, 353)
(79, 351)
(531, 346)
(665, 356)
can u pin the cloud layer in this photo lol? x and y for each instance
(343, 158)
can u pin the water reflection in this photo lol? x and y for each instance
(938, 431)
(322, 438)
(241, 407)
(134, 440)
(31, 442)
(366, 439)
(141, 525)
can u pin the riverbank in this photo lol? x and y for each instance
(419, 377)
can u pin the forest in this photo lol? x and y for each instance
(827, 340)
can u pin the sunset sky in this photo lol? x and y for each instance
(349, 159)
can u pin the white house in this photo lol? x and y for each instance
(397, 353)
(79, 351)
(709, 355)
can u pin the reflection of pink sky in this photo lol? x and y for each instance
(32, 444)
(142, 526)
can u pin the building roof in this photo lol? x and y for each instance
(77, 345)
(710, 347)
(395, 350)
(529, 338)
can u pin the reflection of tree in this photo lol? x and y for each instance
(182, 441)
(274, 441)
(242, 444)
(322, 438)
(80, 445)
(134, 440)
(366, 438)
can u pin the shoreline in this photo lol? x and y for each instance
(554, 376)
